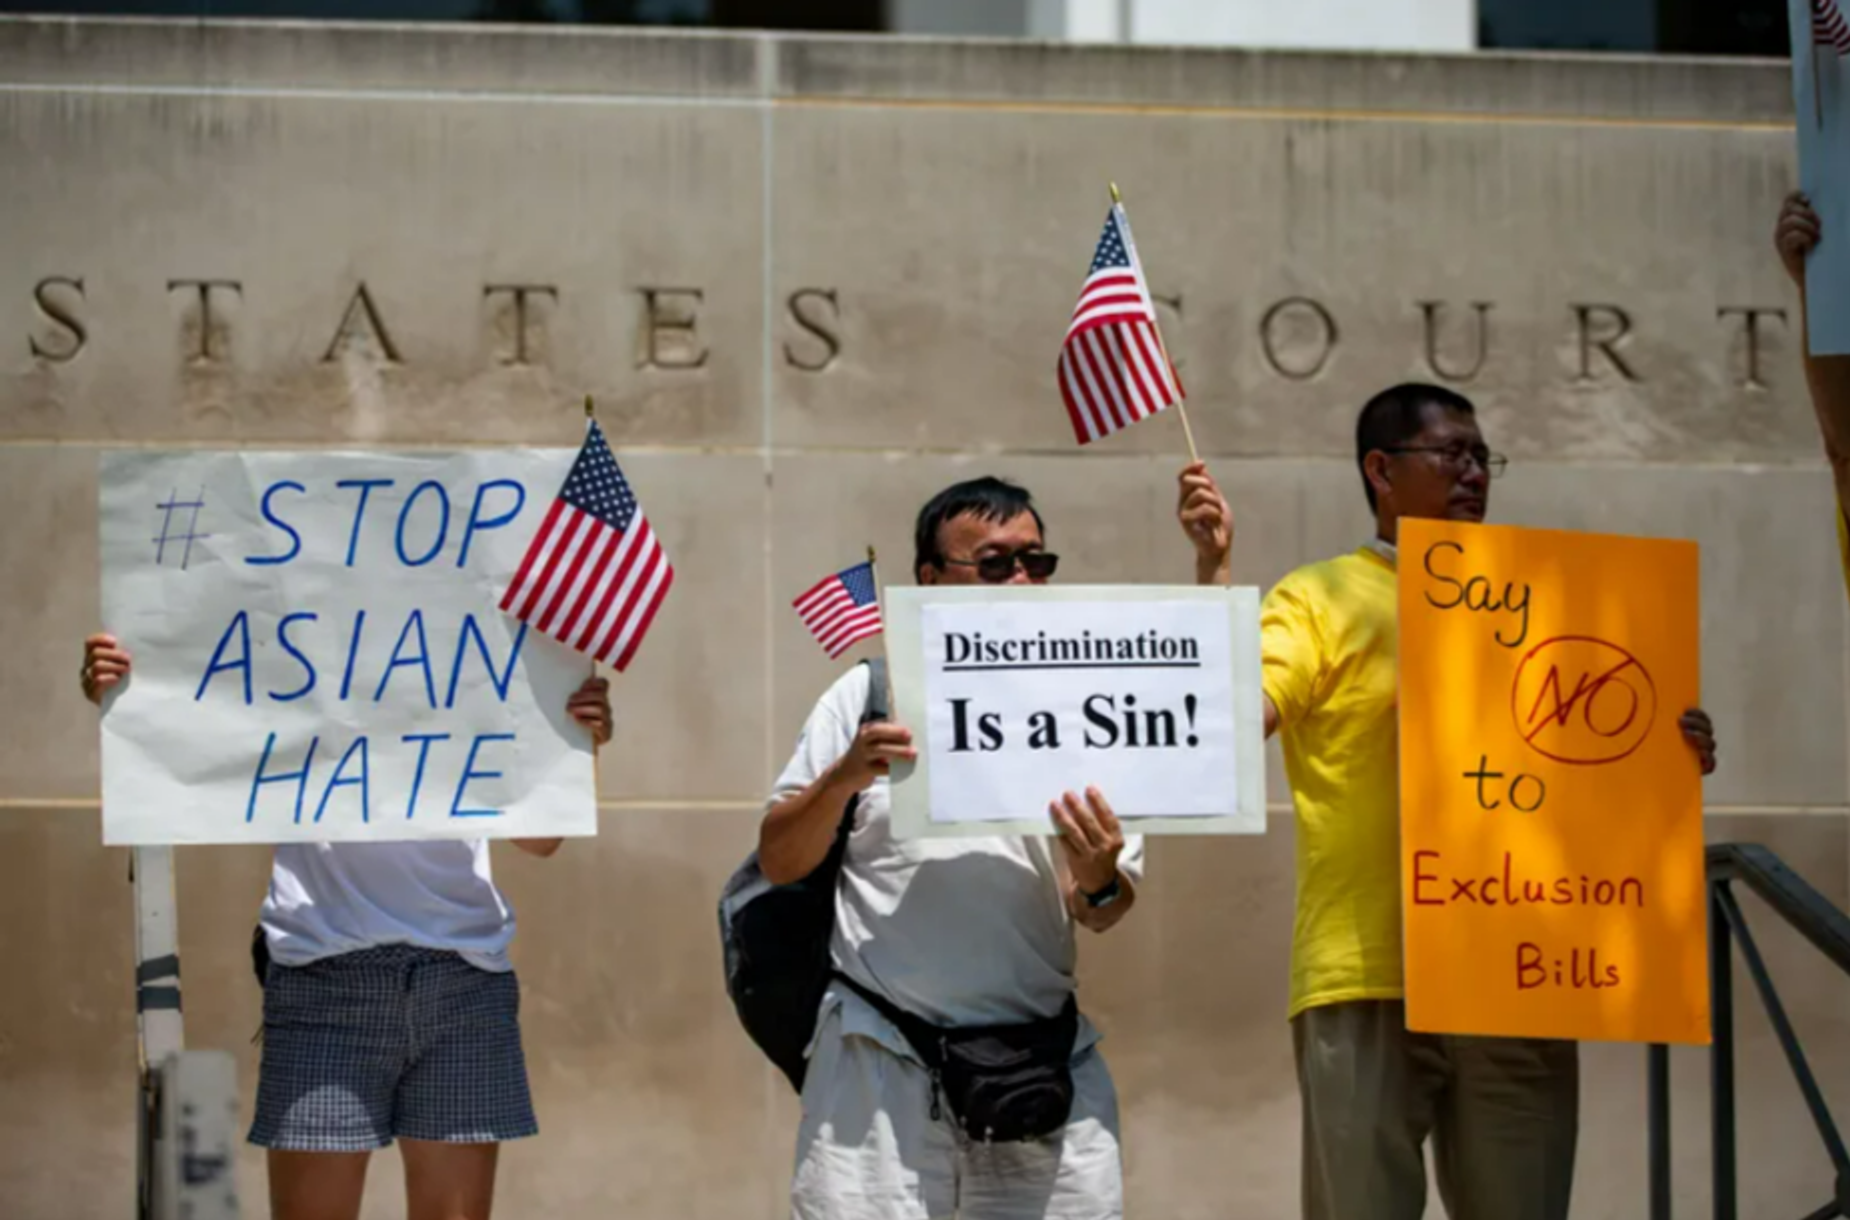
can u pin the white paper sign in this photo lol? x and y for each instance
(1016, 694)
(318, 653)
(1821, 110)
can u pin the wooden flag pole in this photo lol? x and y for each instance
(1188, 433)
(590, 416)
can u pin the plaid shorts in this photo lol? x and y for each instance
(396, 1041)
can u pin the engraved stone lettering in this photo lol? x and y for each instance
(519, 292)
(206, 351)
(1603, 327)
(361, 309)
(62, 313)
(1750, 333)
(1432, 310)
(816, 310)
(1297, 336)
(670, 338)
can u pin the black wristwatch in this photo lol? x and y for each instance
(1104, 897)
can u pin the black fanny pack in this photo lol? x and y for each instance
(1003, 1083)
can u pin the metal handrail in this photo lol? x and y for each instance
(1814, 917)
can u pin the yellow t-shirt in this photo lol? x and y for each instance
(1328, 636)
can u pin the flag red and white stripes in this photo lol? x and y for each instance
(1828, 27)
(1113, 370)
(842, 609)
(595, 573)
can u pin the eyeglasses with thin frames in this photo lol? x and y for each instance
(999, 569)
(1456, 456)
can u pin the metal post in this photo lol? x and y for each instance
(159, 1029)
(1788, 1037)
(198, 1140)
(1721, 1054)
(1657, 1063)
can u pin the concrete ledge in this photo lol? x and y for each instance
(172, 53)
(1566, 86)
(366, 56)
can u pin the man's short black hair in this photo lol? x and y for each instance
(987, 498)
(1395, 416)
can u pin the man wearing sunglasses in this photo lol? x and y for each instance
(960, 933)
(1502, 1112)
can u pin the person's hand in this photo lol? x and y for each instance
(1206, 518)
(1796, 234)
(1091, 837)
(878, 745)
(1699, 732)
(590, 706)
(105, 663)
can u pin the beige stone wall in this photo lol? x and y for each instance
(810, 281)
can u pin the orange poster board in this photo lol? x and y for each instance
(1551, 812)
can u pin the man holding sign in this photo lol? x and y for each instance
(958, 936)
(1502, 1112)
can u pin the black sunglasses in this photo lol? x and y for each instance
(998, 569)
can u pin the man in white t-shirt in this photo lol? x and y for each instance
(955, 933)
(390, 1010)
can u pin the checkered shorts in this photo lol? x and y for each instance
(396, 1041)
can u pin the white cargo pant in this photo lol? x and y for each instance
(868, 1148)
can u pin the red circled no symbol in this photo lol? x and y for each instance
(1581, 700)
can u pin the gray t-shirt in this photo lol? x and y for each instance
(958, 931)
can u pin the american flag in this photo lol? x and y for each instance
(842, 608)
(595, 573)
(1828, 27)
(1113, 371)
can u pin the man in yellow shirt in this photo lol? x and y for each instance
(1502, 1112)
(1827, 377)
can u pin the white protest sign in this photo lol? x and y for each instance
(1821, 111)
(1016, 694)
(318, 653)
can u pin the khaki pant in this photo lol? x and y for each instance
(1502, 1113)
(868, 1148)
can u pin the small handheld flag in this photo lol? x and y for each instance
(595, 573)
(1113, 369)
(842, 609)
(1828, 27)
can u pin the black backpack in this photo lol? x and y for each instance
(776, 937)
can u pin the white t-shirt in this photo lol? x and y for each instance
(331, 898)
(957, 931)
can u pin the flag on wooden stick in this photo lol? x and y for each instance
(1828, 27)
(842, 609)
(595, 573)
(1113, 368)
